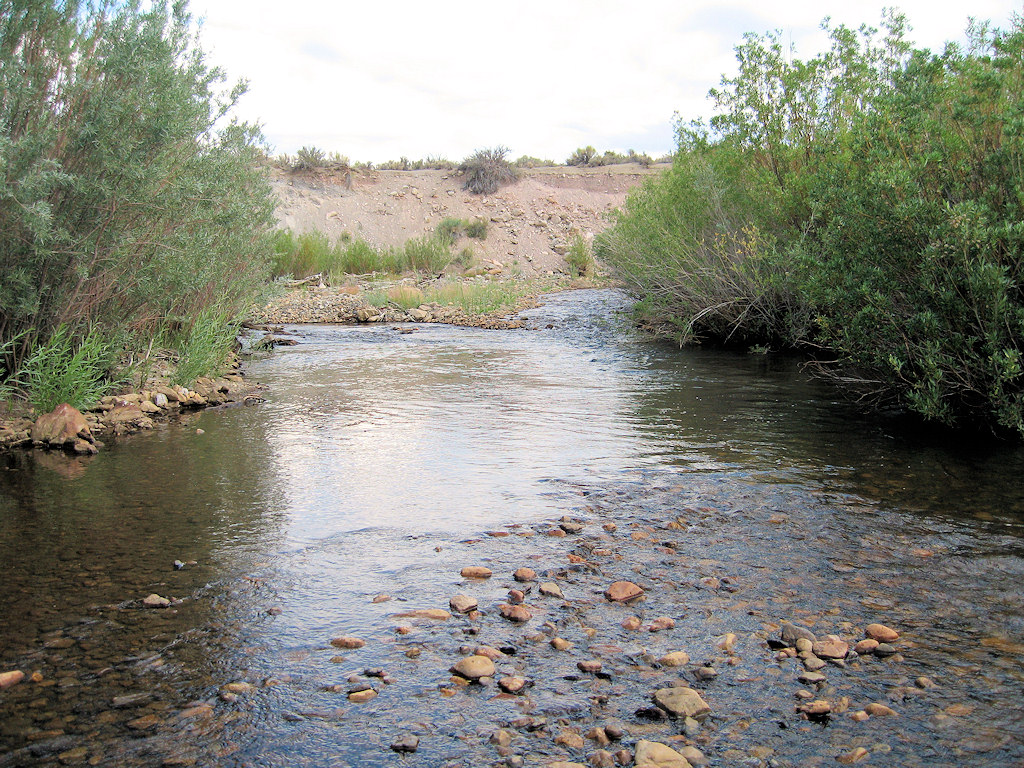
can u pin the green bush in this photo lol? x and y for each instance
(309, 159)
(866, 205)
(450, 229)
(580, 259)
(128, 199)
(477, 229)
(487, 170)
(582, 156)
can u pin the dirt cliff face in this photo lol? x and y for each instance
(530, 223)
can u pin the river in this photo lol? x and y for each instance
(385, 459)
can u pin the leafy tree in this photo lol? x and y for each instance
(129, 201)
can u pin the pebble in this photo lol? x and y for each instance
(517, 613)
(437, 614)
(516, 596)
(525, 574)
(143, 723)
(811, 678)
(675, 659)
(658, 755)
(513, 685)
(830, 648)
(865, 646)
(876, 709)
(817, 707)
(598, 734)
(881, 633)
(7, 679)
(590, 666)
(623, 592)
(570, 739)
(848, 758)
(463, 603)
(791, 633)
(359, 697)
(408, 743)
(476, 572)
(813, 663)
(491, 653)
(551, 589)
(474, 667)
(570, 527)
(560, 644)
(662, 622)
(501, 738)
(155, 601)
(347, 641)
(601, 758)
(705, 673)
(681, 702)
(884, 649)
(631, 623)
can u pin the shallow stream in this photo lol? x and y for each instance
(387, 458)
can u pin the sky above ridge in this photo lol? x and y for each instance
(379, 80)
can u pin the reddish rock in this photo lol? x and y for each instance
(590, 666)
(830, 648)
(7, 679)
(513, 685)
(525, 574)
(474, 667)
(438, 614)
(348, 642)
(879, 710)
(517, 613)
(662, 622)
(631, 623)
(476, 572)
(866, 646)
(881, 633)
(623, 592)
(61, 426)
(462, 603)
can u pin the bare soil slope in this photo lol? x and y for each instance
(532, 222)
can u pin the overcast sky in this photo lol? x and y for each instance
(375, 80)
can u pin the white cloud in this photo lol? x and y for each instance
(383, 79)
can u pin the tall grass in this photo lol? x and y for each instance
(311, 253)
(69, 368)
(204, 347)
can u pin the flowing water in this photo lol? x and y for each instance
(744, 492)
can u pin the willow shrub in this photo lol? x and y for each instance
(129, 203)
(866, 205)
(916, 262)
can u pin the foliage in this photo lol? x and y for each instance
(477, 229)
(487, 170)
(580, 258)
(919, 244)
(127, 200)
(308, 159)
(68, 368)
(865, 205)
(582, 156)
(204, 346)
(450, 230)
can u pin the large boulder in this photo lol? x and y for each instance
(62, 426)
